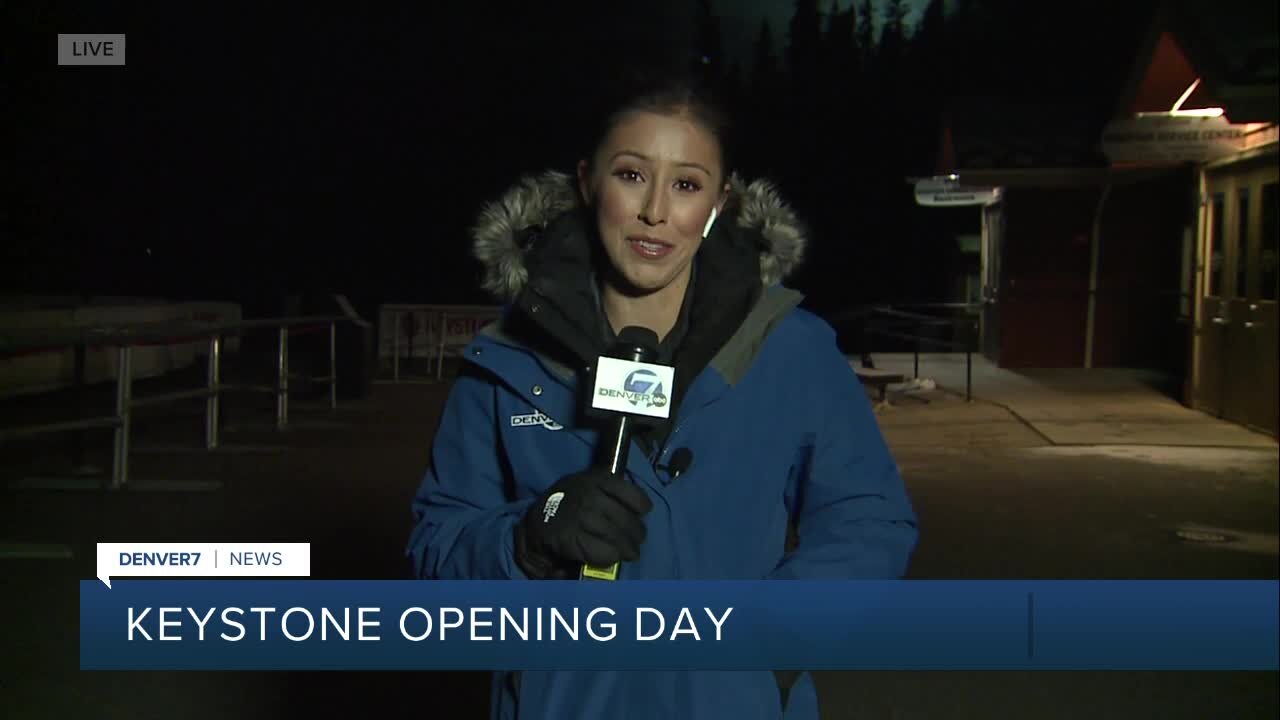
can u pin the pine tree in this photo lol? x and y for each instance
(764, 68)
(805, 38)
(709, 59)
(841, 44)
(733, 80)
(893, 32)
(865, 31)
(761, 103)
(969, 33)
(929, 82)
(825, 50)
(933, 21)
(928, 51)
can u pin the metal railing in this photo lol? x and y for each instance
(125, 338)
(901, 323)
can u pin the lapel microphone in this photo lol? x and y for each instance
(680, 461)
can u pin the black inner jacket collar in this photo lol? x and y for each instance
(674, 337)
(559, 312)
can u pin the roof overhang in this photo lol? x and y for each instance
(1057, 177)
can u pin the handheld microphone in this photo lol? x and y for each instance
(627, 385)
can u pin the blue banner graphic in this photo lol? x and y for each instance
(640, 625)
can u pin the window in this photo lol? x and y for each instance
(1269, 255)
(1187, 281)
(1242, 243)
(1217, 208)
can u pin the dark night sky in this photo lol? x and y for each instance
(254, 145)
(249, 150)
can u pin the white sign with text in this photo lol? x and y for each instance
(203, 560)
(633, 387)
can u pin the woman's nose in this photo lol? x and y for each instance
(654, 211)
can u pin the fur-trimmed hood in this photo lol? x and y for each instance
(502, 232)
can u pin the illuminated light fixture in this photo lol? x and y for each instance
(1201, 112)
(1177, 110)
(1185, 94)
(1198, 112)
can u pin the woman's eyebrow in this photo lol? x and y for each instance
(646, 158)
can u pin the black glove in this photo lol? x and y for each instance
(588, 518)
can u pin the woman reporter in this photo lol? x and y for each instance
(785, 473)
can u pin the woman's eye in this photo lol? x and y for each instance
(688, 186)
(628, 175)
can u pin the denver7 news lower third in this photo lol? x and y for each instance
(246, 606)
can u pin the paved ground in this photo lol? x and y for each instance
(997, 499)
(1075, 406)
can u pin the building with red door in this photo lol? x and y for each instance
(1142, 231)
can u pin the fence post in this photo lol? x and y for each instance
(124, 397)
(333, 365)
(211, 402)
(282, 379)
(444, 331)
(78, 436)
(974, 339)
(916, 364)
(427, 319)
(968, 375)
(395, 347)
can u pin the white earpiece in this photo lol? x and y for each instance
(710, 220)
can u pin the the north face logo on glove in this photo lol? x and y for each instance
(553, 504)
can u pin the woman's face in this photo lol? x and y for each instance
(653, 185)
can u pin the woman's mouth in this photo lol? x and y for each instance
(649, 248)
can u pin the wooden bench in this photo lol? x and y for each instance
(880, 379)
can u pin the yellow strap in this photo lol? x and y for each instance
(600, 573)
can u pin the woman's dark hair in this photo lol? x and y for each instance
(667, 95)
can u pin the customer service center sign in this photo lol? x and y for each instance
(1171, 139)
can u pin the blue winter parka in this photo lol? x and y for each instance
(787, 474)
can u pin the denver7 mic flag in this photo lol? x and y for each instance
(271, 624)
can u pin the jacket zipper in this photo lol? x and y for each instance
(668, 444)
